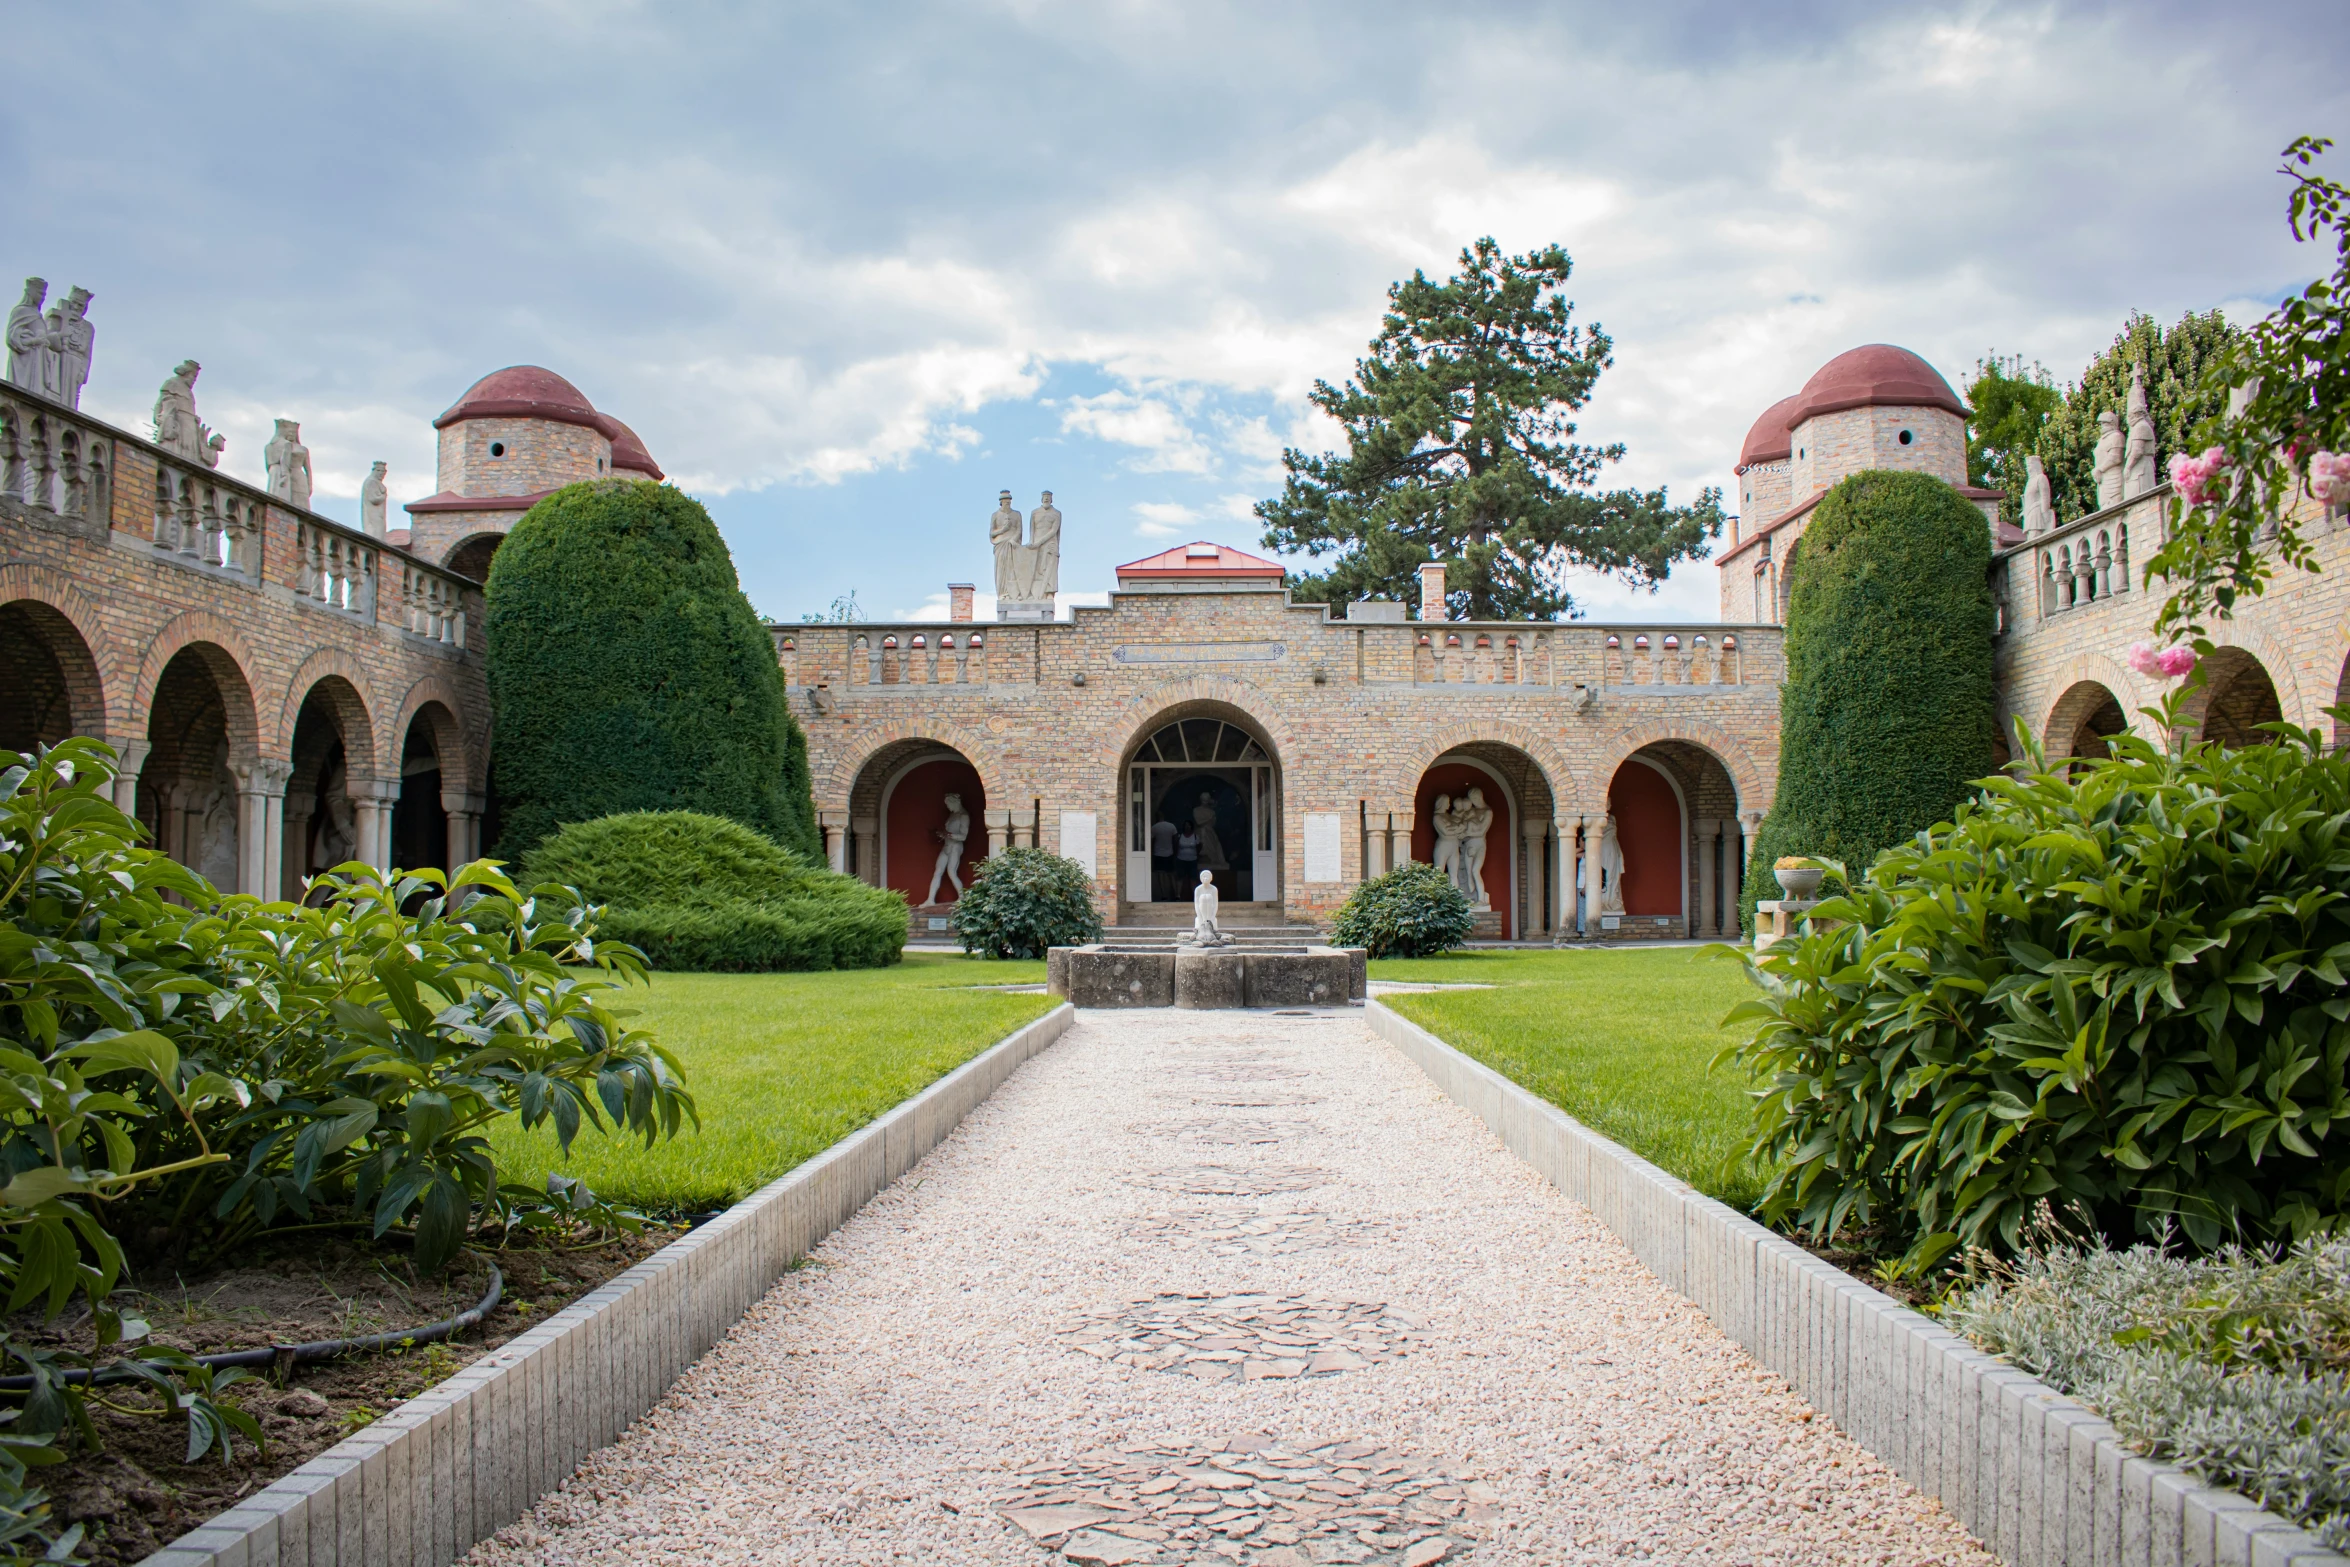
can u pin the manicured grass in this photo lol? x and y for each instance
(782, 1067)
(1621, 1041)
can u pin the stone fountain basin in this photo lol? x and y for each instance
(1117, 975)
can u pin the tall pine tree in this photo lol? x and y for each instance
(1460, 448)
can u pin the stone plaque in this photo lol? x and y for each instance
(1322, 862)
(937, 922)
(1077, 835)
(1201, 653)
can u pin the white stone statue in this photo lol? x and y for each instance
(32, 351)
(1204, 903)
(2110, 449)
(177, 429)
(375, 499)
(76, 342)
(951, 839)
(2240, 398)
(2138, 475)
(1003, 531)
(2039, 501)
(288, 463)
(338, 835)
(1447, 855)
(1044, 550)
(1472, 818)
(216, 828)
(1611, 870)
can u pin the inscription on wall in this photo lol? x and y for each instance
(1201, 652)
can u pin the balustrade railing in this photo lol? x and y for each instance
(953, 655)
(1470, 655)
(50, 463)
(335, 569)
(433, 606)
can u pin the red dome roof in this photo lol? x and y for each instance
(1876, 376)
(628, 452)
(1769, 440)
(523, 392)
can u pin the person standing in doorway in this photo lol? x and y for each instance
(1163, 882)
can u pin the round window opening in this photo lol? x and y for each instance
(497, 448)
(1905, 437)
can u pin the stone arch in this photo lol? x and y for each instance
(897, 803)
(461, 768)
(2081, 720)
(339, 681)
(1753, 787)
(1520, 881)
(1155, 705)
(199, 753)
(224, 652)
(2129, 690)
(67, 674)
(1243, 796)
(429, 759)
(834, 793)
(2276, 661)
(470, 556)
(2239, 693)
(1564, 783)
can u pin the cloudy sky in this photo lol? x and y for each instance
(852, 270)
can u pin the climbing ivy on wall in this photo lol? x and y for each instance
(1886, 716)
(628, 672)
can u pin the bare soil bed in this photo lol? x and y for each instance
(137, 1494)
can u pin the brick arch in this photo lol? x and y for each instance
(1152, 706)
(86, 660)
(2071, 704)
(832, 793)
(2283, 672)
(1754, 789)
(460, 758)
(344, 686)
(226, 655)
(1403, 778)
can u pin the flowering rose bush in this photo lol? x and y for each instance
(2192, 476)
(2161, 663)
(2329, 477)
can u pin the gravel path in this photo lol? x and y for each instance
(1228, 1287)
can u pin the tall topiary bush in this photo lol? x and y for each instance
(1886, 718)
(699, 892)
(627, 671)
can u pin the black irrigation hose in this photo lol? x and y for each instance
(292, 1355)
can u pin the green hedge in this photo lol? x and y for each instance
(1023, 902)
(1414, 911)
(1886, 719)
(699, 892)
(628, 672)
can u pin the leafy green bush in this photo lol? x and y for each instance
(1023, 901)
(2235, 1366)
(2115, 986)
(1886, 718)
(700, 892)
(1414, 911)
(628, 672)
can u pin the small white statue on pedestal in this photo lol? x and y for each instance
(2112, 450)
(2138, 475)
(951, 839)
(1611, 871)
(1204, 902)
(287, 462)
(375, 498)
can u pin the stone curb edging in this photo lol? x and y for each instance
(452, 1466)
(2035, 1476)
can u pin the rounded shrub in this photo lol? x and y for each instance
(627, 672)
(1887, 716)
(1023, 901)
(2114, 986)
(700, 892)
(1413, 911)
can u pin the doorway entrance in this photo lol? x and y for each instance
(1201, 794)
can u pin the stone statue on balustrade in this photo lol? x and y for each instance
(1205, 901)
(1472, 819)
(2039, 500)
(951, 838)
(288, 463)
(1003, 532)
(1044, 550)
(177, 429)
(32, 347)
(375, 499)
(2138, 475)
(2111, 447)
(76, 341)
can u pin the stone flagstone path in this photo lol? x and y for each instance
(1112, 1321)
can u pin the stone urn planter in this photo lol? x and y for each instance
(1800, 882)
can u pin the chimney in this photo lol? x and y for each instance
(1432, 591)
(959, 601)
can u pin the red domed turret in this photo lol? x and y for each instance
(523, 392)
(1875, 376)
(1769, 440)
(629, 454)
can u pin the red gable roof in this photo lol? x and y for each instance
(1202, 559)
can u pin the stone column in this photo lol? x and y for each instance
(836, 846)
(1374, 844)
(1594, 829)
(865, 836)
(1530, 902)
(371, 809)
(1024, 828)
(999, 831)
(126, 778)
(1709, 842)
(1567, 830)
(1399, 837)
(465, 812)
(1742, 846)
(287, 841)
(274, 776)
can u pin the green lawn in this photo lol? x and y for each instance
(1620, 1040)
(782, 1067)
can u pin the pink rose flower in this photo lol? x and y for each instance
(2163, 663)
(2192, 476)
(2329, 477)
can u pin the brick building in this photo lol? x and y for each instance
(289, 692)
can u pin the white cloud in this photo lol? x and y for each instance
(1163, 519)
(1153, 425)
